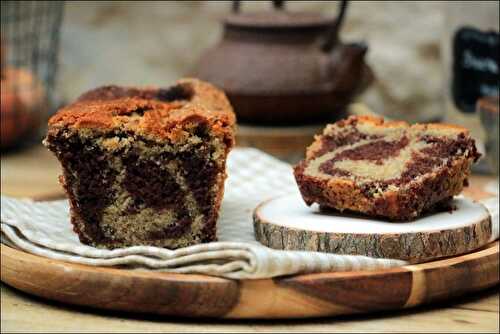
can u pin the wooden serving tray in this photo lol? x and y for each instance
(301, 296)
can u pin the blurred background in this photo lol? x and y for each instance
(156, 43)
(399, 62)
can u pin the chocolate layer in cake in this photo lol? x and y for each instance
(386, 169)
(144, 166)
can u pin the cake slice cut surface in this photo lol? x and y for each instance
(385, 169)
(144, 166)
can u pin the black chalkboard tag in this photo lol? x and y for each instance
(475, 67)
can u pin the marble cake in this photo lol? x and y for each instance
(144, 166)
(385, 169)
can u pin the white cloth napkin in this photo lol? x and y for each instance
(43, 228)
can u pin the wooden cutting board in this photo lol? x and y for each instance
(300, 296)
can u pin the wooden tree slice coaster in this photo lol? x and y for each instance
(287, 223)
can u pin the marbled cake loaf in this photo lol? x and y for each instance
(385, 169)
(144, 166)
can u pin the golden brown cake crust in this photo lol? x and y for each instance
(400, 199)
(162, 112)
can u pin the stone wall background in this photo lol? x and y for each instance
(141, 43)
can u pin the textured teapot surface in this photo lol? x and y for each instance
(275, 53)
(266, 57)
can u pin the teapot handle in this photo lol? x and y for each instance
(333, 35)
(277, 4)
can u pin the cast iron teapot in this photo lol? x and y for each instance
(285, 68)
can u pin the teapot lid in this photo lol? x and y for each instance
(278, 20)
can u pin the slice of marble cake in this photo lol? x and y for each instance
(386, 169)
(144, 166)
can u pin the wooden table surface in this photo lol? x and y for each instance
(33, 172)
